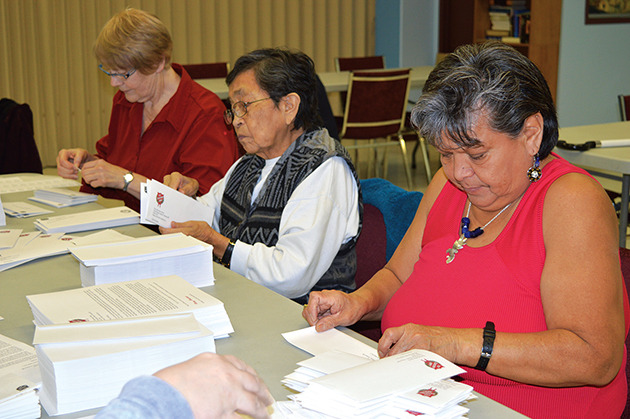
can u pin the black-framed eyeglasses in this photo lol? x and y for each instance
(123, 76)
(238, 109)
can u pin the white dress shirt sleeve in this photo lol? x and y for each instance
(322, 213)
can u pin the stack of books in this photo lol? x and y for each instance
(85, 365)
(509, 22)
(88, 220)
(131, 299)
(410, 384)
(61, 198)
(146, 257)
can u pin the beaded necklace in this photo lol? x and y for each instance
(467, 234)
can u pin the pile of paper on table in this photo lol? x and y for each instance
(130, 299)
(61, 198)
(19, 380)
(18, 398)
(409, 384)
(146, 257)
(88, 220)
(18, 209)
(34, 245)
(352, 382)
(85, 365)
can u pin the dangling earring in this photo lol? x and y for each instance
(534, 173)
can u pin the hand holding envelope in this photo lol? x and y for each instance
(161, 205)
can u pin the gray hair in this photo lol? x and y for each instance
(491, 79)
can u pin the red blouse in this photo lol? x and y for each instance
(188, 136)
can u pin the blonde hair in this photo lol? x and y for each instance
(134, 39)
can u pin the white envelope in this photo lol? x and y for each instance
(163, 205)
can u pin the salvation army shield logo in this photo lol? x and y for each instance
(428, 392)
(433, 364)
(159, 198)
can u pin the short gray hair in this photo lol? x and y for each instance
(491, 78)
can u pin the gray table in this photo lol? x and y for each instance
(612, 159)
(258, 315)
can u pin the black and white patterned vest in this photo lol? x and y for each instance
(259, 222)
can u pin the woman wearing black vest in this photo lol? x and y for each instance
(288, 213)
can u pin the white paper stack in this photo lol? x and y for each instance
(88, 220)
(18, 398)
(85, 365)
(396, 386)
(19, 379)
(34, 245)
(147, 257)
(122, 300)
(20, 209)
(61, 198)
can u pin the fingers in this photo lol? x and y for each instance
(387, 343)
(172, 180)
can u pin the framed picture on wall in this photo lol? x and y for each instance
(607, 11)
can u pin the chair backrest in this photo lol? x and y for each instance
(376, 105)
(360, 63)
(207, 70)
(624, 107)
(18, 150)
(371, 246)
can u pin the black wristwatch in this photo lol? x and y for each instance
(227, 255)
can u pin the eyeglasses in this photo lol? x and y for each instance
(239, 109)
(123, 76)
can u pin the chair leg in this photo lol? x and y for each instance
(403, 150)
(425, 155)
(413, 154)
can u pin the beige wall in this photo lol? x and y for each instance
(46, 57)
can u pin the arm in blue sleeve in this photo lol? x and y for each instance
(147, 397)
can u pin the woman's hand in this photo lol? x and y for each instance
(330, 308)
(441, 340)
(184, 184)
(101, 174)
(197, 229)
(69, 162)
(217, 386)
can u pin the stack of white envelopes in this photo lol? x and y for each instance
(18, 398)
(139, 298)
(85, 365)
(146, 257)
(88, 220)
(61, 198)
(413, 383)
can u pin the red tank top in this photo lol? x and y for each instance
(498, 282)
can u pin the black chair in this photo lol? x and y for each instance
(18, 150)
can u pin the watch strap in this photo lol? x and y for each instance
(128, 178)
(227, 255)
(489, 334)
